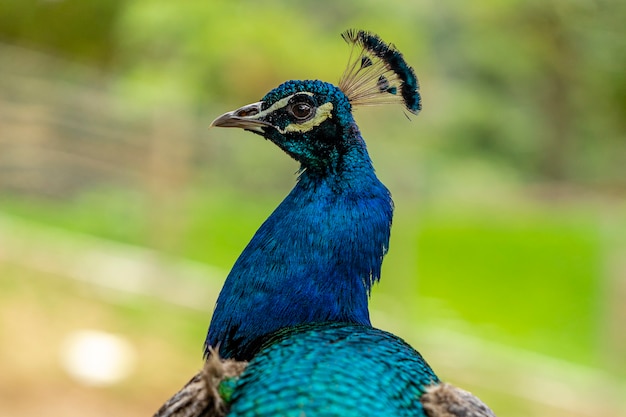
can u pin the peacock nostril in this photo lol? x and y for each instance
(247, 112)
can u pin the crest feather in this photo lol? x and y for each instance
(378, 73)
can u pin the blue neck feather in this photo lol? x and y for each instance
(313, 260)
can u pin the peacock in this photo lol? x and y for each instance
(291, 333)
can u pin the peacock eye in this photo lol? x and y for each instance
(301, 111)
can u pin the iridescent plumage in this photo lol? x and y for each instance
(333, 369)
(295, 303)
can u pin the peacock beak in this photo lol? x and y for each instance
(246, 117)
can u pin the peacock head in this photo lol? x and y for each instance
(309, 120)
(312, 120)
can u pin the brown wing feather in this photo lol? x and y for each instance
(200, 396)
(445, 400)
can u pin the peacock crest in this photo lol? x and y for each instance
(378, 74)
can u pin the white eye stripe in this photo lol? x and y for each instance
(279, 104)
(322, 113)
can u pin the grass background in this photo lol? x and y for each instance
(531, 276)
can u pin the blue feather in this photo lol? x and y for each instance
(318, 254)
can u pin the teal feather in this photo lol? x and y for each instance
(333, 369)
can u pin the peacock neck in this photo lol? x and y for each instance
(313, 260)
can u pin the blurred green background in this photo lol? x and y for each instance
(121, 212)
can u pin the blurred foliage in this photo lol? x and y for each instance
(533, 85)
(74, 29)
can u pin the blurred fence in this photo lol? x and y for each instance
(62, 131)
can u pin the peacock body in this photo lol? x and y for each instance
(295, 304)
(333, 369)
